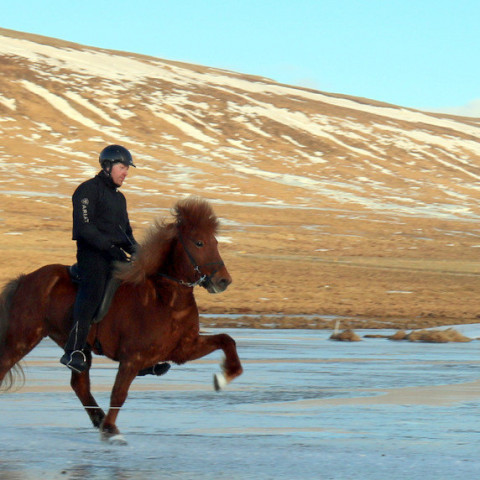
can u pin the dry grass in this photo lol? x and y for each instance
(431, 336)
(346, 336)
(388, 281)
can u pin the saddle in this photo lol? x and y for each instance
(112, 287)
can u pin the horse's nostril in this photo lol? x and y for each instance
(225, 282)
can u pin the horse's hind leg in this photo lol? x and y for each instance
(80, 383)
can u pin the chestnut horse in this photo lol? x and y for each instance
(153, 316)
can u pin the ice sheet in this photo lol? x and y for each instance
(305, 408)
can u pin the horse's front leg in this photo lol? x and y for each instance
(125, 375)
(206, 344)
(80, 383)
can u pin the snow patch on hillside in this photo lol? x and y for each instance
(128, 69)
(8, 102)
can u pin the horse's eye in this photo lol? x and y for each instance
(199, 243)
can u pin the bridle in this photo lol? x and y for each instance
(204, 278)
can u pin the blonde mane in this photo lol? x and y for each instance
(192, 214)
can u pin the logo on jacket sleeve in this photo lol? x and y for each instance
(85, 202)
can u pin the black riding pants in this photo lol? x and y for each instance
(95, 269)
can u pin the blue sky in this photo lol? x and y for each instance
(414, 53)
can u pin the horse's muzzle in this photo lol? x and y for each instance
(217, 285)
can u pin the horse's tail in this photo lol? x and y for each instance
(15, 374)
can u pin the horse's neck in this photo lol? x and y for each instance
(174, 295)
(181, 298)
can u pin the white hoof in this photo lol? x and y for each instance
(118, 439)
(219, 381)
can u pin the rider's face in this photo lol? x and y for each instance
(119, 173)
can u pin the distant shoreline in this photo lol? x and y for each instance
(325, 322)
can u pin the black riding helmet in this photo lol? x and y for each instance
(113, 154)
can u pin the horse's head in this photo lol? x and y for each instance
(202, 263)
(197, 254)
(185, 251)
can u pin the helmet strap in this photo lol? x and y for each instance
(107, 168)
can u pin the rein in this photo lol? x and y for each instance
(203, 277)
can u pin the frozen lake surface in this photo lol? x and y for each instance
(305, 408)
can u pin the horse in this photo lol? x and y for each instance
(153, 316)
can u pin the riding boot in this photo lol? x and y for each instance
(75, 360)
(94, 270)
(158, 370)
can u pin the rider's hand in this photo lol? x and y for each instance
(116, 253)
(130, 248)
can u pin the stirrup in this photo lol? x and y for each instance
(75, 361)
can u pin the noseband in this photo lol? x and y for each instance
(204, 278)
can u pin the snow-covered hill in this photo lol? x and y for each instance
(297, 175)
(194, 128)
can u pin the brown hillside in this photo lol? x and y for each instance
(331, 205)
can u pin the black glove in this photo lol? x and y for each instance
(130, 248)
(117, 254)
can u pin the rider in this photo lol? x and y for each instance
(103, 233)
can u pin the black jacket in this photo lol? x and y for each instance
(100, 217)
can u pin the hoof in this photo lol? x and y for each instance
(115, 439)
(219, 381)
